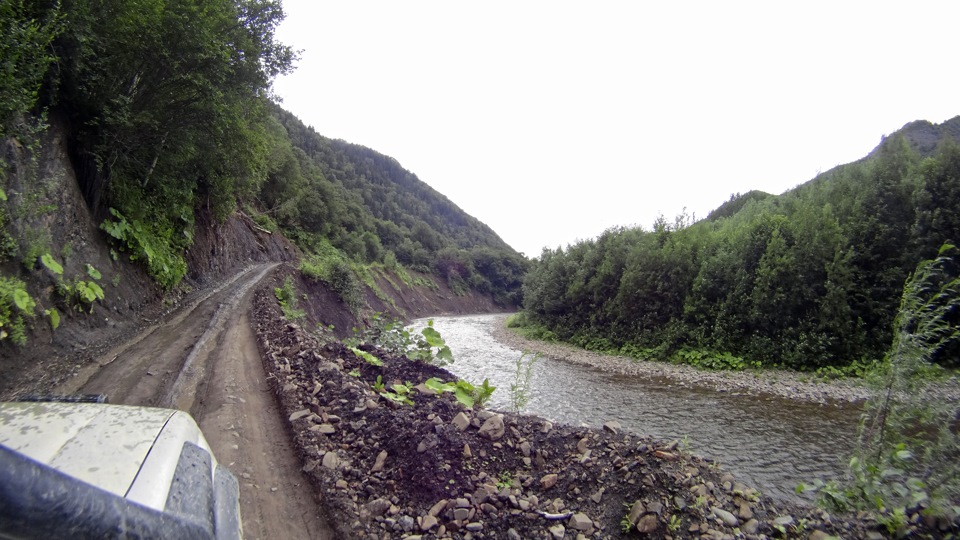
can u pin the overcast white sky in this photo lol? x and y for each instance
(552, 121)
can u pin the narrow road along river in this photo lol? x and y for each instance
(767, 442)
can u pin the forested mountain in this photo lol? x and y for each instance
(806, 279)
(171, 127)
(374, 210)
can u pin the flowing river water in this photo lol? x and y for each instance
(767, 442)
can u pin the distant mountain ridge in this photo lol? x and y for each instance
(924, 136)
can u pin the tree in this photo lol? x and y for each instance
(908, 451)
(26, 32)
(157, 87)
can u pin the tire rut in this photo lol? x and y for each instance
(204, 359)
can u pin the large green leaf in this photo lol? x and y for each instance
(464, 396)
(54, 317)
(433, 337)
(439, 386)
(369, 358)
(93, 272)
(23, 301)
(444, 355)
(51, 264)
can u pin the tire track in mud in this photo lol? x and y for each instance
(204, 359)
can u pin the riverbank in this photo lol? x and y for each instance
(777, 382)
(433, 469)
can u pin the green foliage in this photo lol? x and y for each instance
(483, 393)
(389, 335)
(428, 283)
(807, 280)
(88, 292)
(399, 393)
(331, 267)
(287, 296)
(638, 353)
(439, 386)
(908, 448)
(167, 106)
(857, 369)
(34, 244)
(15, 304)
(520, 389)
(144, 243)
(430, 347)
(675, 523)
(366, 274)
(626, 525)
(26, 32)
(524, 325)
(82, 292)
(366, 357)
(373, 211)
(51, 264)
(54, 317)
(713, 361)
(467, 394)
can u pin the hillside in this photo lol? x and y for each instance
(143, 160)
(808, 279)
(373, 210)
(924, 137)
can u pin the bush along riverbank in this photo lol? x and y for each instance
(388, 457)
(821, 387)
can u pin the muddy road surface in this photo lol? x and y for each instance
(204, 359)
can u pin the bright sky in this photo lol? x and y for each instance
(552, 121)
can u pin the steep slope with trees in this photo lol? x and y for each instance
(164, 110)
(808, 279)
(322, 191)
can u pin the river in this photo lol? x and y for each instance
(769, 443)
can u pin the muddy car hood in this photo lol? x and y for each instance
(131, 452)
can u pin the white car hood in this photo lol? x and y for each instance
(104, 445)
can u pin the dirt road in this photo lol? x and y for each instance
(204, 359)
